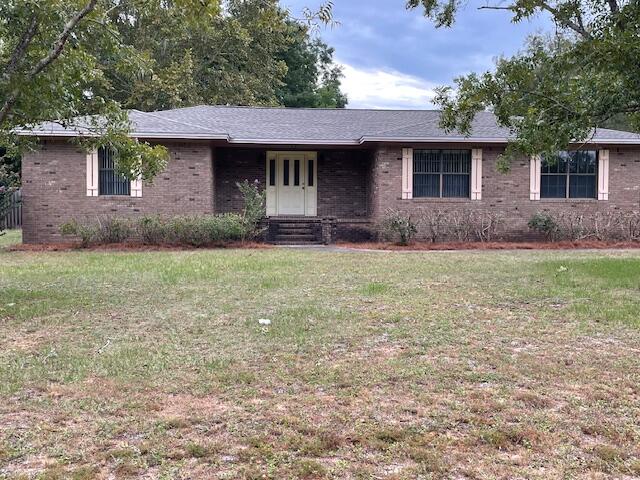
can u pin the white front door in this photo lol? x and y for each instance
(291, 183)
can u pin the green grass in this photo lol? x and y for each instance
(10, 237)
(379, 365)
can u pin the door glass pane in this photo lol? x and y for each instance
(296, 172)
(310, 173)
(272, 172)
(285, 173)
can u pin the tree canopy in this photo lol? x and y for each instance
(563, 84)
(61, 60)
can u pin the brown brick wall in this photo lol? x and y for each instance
(233, 165)
(352, 184)
(507, 194)
(342, 183)
(54, 189)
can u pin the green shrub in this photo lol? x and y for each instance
(546, 224)
(199, 231)
(152, 230)
(114, 230)
(398, 225)
(195, 231)
(106, 230)
(88, 233)
(254, 207)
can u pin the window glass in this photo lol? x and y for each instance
(296, 172)
(272, 172)
(310, 173)
(569, 175)
(442, 173)
(109, 182)
(285, 172)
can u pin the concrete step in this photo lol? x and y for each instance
(294, 231)
(288, 242)
(296, 225)
(296, 238)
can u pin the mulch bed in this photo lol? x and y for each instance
(416, 246)
(564, 245)
(129, 247)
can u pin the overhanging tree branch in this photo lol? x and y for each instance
(58, 46)
(21, 48)
(54, 53)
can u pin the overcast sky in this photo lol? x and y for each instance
(393, 58)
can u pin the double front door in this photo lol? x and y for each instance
(292, 183)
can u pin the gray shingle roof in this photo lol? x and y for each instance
(309, 126)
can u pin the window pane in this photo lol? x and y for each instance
(310, 173)
(272, 172)
(456, 185)
(426, 185)
(582, 186)
(285, 172)
(296, 172)
(426, 161)
(556, 164)
(456, 161)
(553, 186)
(109, 182)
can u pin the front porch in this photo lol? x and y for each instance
(313, 195)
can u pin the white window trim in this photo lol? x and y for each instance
(476, 174)
(603, 175)
(535, 177)
(92, 173)
(407, 173)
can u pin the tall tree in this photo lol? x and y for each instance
(312, 79)
(249, 55)
(584, 76)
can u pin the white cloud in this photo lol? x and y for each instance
(383, 88)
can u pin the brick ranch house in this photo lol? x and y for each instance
(336, 170)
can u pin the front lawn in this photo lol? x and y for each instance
(374, 365)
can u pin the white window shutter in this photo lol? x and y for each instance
(407, 173)
(603, 175)
(476, 174)
(136, 187)
(92, 173)
(535, 171)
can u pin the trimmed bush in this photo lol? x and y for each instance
(459, 225)
(195, 231)
(608, 226)
(400, 226)
(105, 230)
(544, 223)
